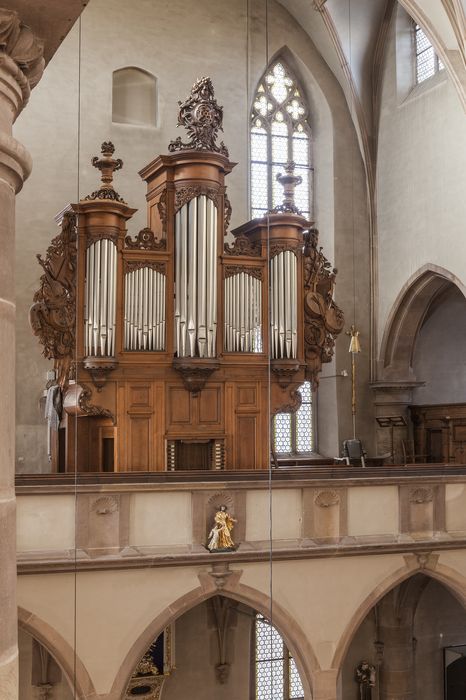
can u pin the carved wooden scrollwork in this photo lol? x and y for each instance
(231, 270)
(183, 195)
(85, 406)
(243, 246)
(227, 214)
(132, 265)
(108, 233)
(53, 313)
(323, 319)
(202, 118)
(292, 403)
(162, 209)
(145, 240)
(277, 248)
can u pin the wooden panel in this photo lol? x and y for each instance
(210, 406)
(246, 396)
(139, 438)
(459, 433)
(245, 442)
(139, 396)
(178, 406)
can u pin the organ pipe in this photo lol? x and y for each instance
(243, 316)
(100, 299)
(144, 321)
(196, 278)
(283, 306)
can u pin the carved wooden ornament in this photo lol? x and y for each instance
(53, 313)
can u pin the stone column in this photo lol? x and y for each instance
(325, 685)
(21, 66)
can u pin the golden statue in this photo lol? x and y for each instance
(220, 539)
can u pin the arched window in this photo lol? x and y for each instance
(275, 672)
(427, 61)
(279, 133)
(134, 97)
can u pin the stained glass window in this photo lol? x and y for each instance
(279, 133)
(276, 675)
(427, 61)
(292, 432)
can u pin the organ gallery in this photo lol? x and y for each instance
(175, 346)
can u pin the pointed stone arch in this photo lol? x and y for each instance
(288, 627)
(65, 656)
(406, 318)
(424, 563)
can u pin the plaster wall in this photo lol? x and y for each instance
(440, 352)
(420, 173)
(320, 597)
(176, 45)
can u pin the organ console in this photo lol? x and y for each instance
(173, 348)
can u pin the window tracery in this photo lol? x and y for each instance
(279, 133)
(293, 432)
(427, 61)
(276, 675)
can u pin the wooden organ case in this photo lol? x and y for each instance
(173, 349)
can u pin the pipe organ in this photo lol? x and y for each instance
(174, 347)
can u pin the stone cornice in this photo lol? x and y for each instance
(379, 476)
(52, 563)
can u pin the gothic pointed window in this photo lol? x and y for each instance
(279, 133)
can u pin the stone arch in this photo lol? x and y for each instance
(65, 656)
(407, 316)
(426, 564)
(290, 630)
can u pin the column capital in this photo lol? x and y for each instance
(19, 42)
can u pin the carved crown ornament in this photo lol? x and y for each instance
(202, 117)
(20, 43)
(53, 314)
(323, 319)
(107, 166)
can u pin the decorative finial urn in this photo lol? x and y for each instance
(289, 181)
(202, 117)
(107, 165)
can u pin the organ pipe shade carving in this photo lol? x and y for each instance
(196, 278)
(144, 320)
(243, 317)
(100, 299)
(283, 305)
